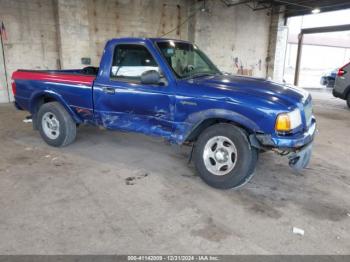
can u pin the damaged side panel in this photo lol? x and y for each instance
(144, 109)
(184, 129)
(193, 111)
(136, 123)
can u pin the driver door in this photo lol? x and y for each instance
(123, 102)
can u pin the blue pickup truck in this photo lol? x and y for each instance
(170, 88)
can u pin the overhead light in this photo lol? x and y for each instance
(316, 10)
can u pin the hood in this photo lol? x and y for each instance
(257, 87)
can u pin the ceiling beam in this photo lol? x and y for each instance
(292, 3)
(227, 3)
(325, 29)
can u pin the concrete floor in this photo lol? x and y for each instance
(112, 192)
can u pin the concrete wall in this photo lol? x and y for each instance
(32, 40)
(55, 34)
(278, 38)
(52, 34)
(235, 38)
(90, 23)
(4, 95)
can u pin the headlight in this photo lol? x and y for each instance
(288, 121)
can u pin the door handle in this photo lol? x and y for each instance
(108, 90)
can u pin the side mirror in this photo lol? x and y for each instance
(150, 77)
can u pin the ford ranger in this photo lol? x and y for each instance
(170, 88)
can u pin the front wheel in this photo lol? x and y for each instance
(55, 125)
(223, 156)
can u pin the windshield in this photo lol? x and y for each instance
(186, 60)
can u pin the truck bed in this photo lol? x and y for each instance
(74, 87)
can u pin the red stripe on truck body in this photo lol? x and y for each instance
(53, 77)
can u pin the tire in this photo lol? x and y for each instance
(348, 100)
(55, 125)
(243, 156)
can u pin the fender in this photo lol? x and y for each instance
(185, 129)
(36, 96)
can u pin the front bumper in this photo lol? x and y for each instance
(287, 143)
(300, 159)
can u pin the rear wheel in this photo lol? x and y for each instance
(223, 156)
(55, 125)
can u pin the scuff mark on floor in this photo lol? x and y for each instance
(131, 180)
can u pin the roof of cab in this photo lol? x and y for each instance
(142, 39)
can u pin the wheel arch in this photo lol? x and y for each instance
(224, 116)
(40, 98)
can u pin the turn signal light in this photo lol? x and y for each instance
(283, 123)
(288, 121)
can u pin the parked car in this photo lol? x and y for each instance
(342, 84)
(171, 89)
(328, 79)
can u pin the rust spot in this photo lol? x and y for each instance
(83, 110)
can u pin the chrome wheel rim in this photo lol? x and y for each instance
(220, 155)
(50, 125)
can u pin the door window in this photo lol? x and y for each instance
(130, 61)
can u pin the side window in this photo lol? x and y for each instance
(130, 61)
